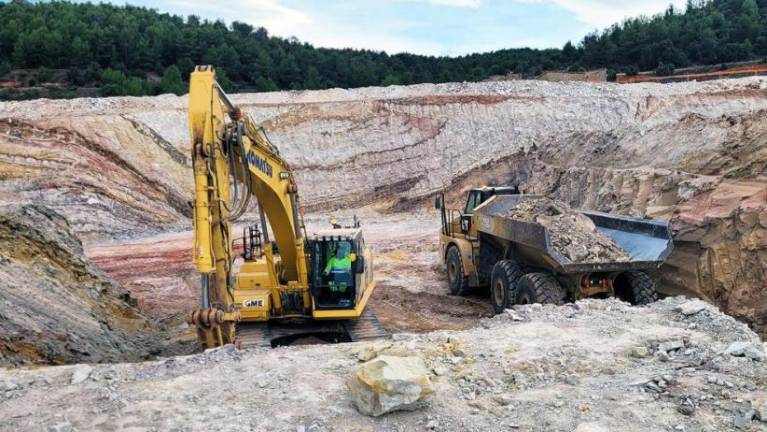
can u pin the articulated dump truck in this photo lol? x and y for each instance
(552, 254)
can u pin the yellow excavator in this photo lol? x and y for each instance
(259, 291)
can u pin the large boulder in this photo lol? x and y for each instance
(746, 349)
(390, 383)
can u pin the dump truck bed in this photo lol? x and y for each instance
(647, 242)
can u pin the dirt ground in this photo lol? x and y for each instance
(411, 293)
(598, 365)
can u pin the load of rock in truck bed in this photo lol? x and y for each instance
(573, 234)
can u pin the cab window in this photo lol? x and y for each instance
(474, 200)
(333, 279)
(337, 256)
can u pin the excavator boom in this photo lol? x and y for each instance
(258, 163)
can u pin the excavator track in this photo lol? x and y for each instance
(285, 332)
(366, 327)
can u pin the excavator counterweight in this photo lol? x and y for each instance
(282, 277)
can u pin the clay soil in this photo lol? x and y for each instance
(401, 311)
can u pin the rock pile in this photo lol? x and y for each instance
(573, 235)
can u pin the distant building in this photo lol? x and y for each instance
(10, 84)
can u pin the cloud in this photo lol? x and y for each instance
(327, 26)
(431, 27)
(604, 13)
(459, 3)
(455, 3)
(270, 14)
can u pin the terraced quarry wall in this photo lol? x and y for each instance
(694, 153)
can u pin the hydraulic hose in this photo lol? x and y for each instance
(247, 181)
(205, 284)
(230, 207)
(241, 199)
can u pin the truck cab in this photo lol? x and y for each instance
(458, 222)
(459, 242)
(478, 196)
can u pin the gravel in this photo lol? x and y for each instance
(559, 368)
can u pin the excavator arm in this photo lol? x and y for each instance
(232, 162)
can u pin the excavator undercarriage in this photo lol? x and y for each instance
(287, 332)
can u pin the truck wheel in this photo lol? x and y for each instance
(503, 284)
(457, 282)
(540, 288)
(635, 287)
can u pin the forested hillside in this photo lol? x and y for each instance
(135, 51)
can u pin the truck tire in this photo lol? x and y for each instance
(457, 282)
(540, 288)
(503, 284)
(635, 287)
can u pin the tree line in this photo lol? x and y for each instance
(127, 50)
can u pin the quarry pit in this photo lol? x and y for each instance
(99, 190)
(118, 170)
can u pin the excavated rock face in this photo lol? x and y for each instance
(694, 153)
(107, 175)
(56, 306)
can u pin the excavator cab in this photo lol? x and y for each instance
(337, 268)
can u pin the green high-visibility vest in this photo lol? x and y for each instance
(334, 263)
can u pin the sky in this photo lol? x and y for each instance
(429, 27)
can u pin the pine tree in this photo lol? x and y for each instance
(134, 87)
(172, 82)
(79, 52)
(312, 81)
(113, 83)
(265, 85)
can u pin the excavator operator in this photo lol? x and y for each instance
(340, 265)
